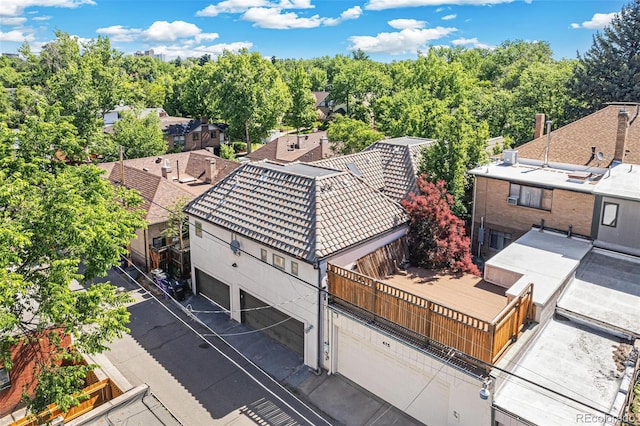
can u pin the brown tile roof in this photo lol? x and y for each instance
(145, 176)
(281, 150)
(572, 143)
(307, 211)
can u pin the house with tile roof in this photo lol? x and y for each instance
(551, 181)
(290, 147)
(161, 181)
(390, 165)
(262, 237)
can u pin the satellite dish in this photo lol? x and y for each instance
(600, 156)
(234, 245)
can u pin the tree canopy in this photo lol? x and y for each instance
(610, 70)
(140, 137)
(58, 224)
(437, 237)
(348, 135)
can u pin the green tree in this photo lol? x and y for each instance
(250, 95)
(348, 135)
(227, 152)
(140, 137)
(610, 70)
(60, 225)
(302, 113)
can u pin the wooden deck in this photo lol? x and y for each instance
(465, 293)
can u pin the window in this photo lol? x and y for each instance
(5, 381)
(214, 134)
(278, 261)
(198, 229)
(178, 140)
(159, 242)
(263, 255)
(610, 214)
(294, 268)
(531, 196)
(499, 240)
(196, 136)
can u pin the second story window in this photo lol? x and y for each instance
(278, 261)
(178, 140)
(610, 214)
(530, 196)
(263, 255)
(198, 229)
(196, 136)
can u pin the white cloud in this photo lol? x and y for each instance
(16, 36)
(186, 50)
(171, 31)
(352, 13)
(242, 6)
(473, 42)
(449, 17)
(403, 24)
(12, 22)
(41, 18)
(597, 22)
(275, 19)
(206, 37)
(120, 33)
(409, 40)
(394, 4)
(15, 7)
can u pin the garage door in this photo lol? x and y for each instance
(274, 323)
(213, 288)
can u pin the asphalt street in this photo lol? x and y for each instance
(200, 379)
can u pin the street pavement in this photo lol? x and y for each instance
(241, 378)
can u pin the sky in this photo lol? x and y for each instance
(387, 30)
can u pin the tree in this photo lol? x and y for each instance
(60, 224)
(302, 113)
(436, 236)
(250, 95)
(140, 137)
(610, 70)
(227, 152)
(348, 135)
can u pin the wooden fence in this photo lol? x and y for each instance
(96, 394)
(477, 338)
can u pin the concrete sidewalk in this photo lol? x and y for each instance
(336, 396)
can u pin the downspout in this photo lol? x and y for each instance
(473, 209)
(146, 250)
(318, 370)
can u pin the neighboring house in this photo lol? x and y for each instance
(263, 237)
(389, 165)
(161, 181)
(115, 114)
(194, 134)
(291, 147)
(556, 189)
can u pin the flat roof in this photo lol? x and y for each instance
(606, 289)
(543, 258)
(406, 141)
(537, 175)
(623, 181)
(572, 360)
(466, 293)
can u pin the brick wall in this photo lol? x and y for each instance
(567, 208)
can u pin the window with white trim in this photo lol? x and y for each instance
(278, 261)
(263, 255)
(294, 267)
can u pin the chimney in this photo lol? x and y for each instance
(166, 168)
(210, 170)
(539, 129)
(621, 135)
(324, 146)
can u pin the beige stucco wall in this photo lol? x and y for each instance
(567, 208)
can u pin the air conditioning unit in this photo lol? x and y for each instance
(512, 200)
(510, 156)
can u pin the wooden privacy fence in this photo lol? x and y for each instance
(97, 394)
(477, 338)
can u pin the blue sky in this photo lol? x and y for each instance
(386, 29)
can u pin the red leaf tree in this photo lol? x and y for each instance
(437, 237)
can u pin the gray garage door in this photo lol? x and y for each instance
(213, 288)
(288, 331)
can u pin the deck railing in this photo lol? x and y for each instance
(480, 339)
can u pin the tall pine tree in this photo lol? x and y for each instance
(610, 70)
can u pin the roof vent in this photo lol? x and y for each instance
(510, 156)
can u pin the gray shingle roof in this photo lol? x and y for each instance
(399, 161)
(306, 211)
(366, 164)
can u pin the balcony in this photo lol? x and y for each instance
(460, 312)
